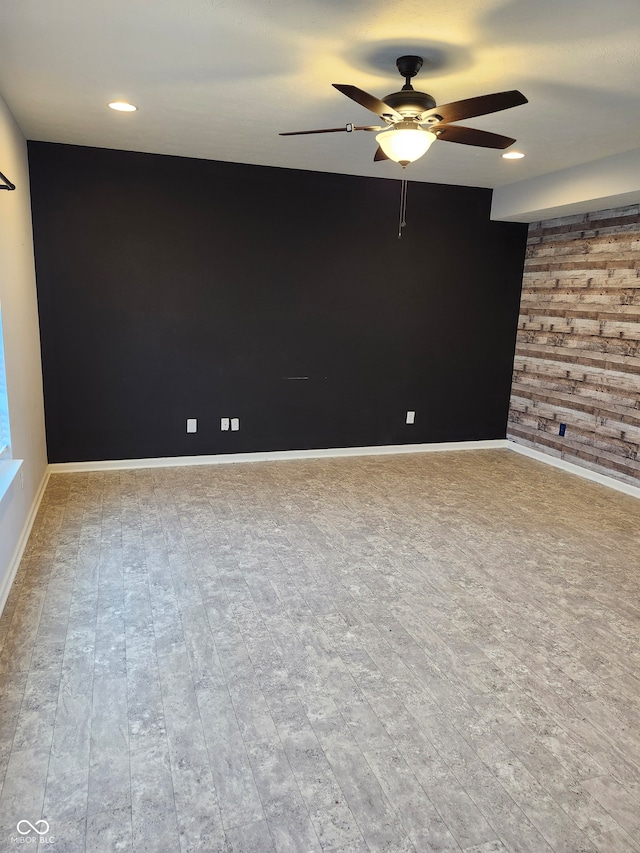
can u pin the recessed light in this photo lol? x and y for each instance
(122, 106)
(513, 155)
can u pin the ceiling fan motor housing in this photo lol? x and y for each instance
(410, 103)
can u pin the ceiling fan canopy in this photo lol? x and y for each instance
(413, 120)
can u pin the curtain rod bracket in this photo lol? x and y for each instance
(7, 185)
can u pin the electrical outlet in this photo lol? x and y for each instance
(192, 425)
(224, 424)
(235, 424)
(411, 417)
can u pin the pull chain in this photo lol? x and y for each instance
(403, 207)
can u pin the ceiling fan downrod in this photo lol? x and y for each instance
(408, 66)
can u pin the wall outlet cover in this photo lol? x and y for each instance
(192, 424)
(235, 424)
(224, 424)
(411, 417)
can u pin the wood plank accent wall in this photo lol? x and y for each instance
(577, 357)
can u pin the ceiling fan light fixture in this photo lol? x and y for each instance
(513, 155)
(406, 144)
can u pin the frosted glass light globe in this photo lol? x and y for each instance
(405, 145)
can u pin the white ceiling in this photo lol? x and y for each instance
(218, 79)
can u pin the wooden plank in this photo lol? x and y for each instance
(606, 352)
(589, 376)
(579, 326)
(608, 299)
(591, 311)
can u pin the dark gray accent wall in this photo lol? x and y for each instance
(172, 288)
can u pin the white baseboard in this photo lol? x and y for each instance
(334, 452)
(14, 563)
(572, 468)
(274, 455)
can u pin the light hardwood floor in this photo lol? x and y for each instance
(435, 652)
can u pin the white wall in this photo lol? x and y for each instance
(610, 182)
(22, 348)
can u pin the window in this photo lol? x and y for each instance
(5, 436)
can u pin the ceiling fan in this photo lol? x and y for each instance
(413, 121)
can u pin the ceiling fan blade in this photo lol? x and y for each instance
(472, 107)
(379, 155)
(470, 136)
(346, 129)
(369, 101)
